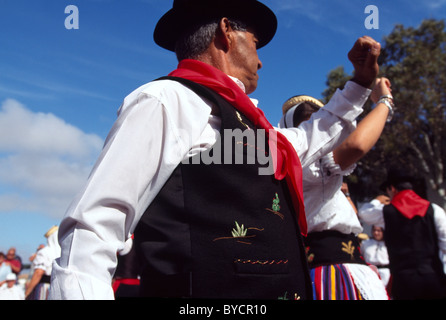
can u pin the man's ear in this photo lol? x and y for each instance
(224, 34)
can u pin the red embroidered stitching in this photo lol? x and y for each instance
(261, 262)
(254, 147)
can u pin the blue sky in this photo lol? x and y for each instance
(60, 88)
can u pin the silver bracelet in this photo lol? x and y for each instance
(389, 103)
(386, 96)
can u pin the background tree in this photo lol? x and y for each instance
(414, 59)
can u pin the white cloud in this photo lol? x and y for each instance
(44, 161)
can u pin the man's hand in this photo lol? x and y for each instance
(364, 57)
(383, 199)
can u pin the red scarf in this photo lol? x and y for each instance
(410, 204)
(286, 162)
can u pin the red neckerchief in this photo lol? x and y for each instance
(410, 204)
(287, 164)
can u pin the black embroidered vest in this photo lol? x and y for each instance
(411, 243)
(221, 230)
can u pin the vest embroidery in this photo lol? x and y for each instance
(261, 262)
(285, 297)
(348, 248)
(239, 118)
(240, 232)
(275, 208)
(310, 256)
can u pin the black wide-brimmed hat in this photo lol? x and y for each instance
(186, 14)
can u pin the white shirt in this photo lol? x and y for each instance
(13, 293)
(375, 253)
(326, 206)
(45, 256)
(372, 214)
(158, 126)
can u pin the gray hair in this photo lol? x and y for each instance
(196, 40)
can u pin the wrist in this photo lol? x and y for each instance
(363, 83)
(387, 100)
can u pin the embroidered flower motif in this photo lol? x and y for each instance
(310, 257)
(285, 296)
(348, 248)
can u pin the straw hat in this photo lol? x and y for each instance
(296, 100)
(51, 231)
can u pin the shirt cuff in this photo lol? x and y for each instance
(348, 103)
(66, 285)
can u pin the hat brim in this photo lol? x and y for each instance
(177, 20)
(298, 100)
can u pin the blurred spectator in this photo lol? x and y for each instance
(14, 261)
(39, 284)
(10, 290)
(31, 258)
(374, 252)
(5, 268)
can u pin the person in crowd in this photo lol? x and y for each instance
(5, 268)
(333, 226)
(14, 261)
(415, 237)
(38, 286)
(346, 192)
(9, 290)
(374, 251)
(204, 225)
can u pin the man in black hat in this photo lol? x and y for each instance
(415, 237)
(205, 225)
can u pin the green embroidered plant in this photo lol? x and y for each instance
(275, 205)
(239, 231)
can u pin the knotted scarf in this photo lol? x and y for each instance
(410, 204)
(285, 159)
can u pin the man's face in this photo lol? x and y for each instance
(10, 255)
(244, 59)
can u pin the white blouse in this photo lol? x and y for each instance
(326, 206)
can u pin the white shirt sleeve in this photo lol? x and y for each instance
(372, 213)
(143, 148)
(440, 227)
(329, 126)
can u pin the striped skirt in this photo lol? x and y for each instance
(334, 282)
